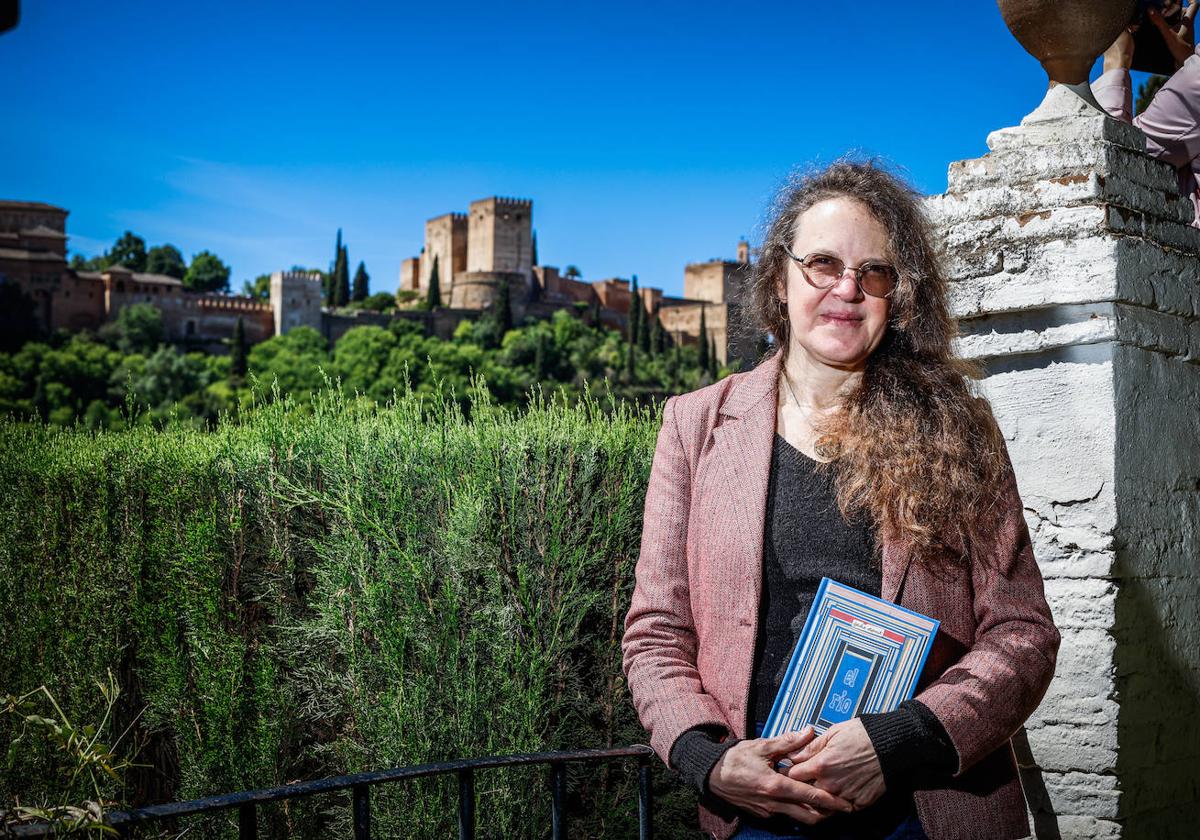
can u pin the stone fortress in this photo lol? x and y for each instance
(475, 252)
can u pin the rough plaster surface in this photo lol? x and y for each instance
(1067, 242)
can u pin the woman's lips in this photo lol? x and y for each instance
(842, 319)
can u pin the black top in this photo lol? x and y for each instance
(806, 539)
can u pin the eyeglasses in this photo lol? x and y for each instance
(822, 271)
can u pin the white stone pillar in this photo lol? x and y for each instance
(1076, 278)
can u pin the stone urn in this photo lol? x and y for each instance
(1066, 36)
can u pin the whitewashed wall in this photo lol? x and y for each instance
(1077, 282)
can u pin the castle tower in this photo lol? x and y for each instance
(500, 236)
(445, 241)
(296, 299)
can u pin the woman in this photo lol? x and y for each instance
(857, 452)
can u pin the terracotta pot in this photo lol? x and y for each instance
(1066, 36)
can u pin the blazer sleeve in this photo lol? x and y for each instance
(984, 698)
(660, 645)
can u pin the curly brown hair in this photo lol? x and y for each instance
(920, 454)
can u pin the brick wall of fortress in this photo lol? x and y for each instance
(500, 235)
(445, 241)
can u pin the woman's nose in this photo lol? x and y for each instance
(846, 286)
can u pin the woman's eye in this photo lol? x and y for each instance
(820, 262)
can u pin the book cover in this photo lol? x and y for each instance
(857, 654)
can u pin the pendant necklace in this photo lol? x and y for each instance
(827, 446)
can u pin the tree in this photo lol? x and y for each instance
(362, 282)
(703, 340)
(572, 271)
(533, 258)
(1146, 91)
(207, 274)
(138, 329)
(656, 334)
(595, 317)
(341, 279)
(380, 302)
(238, 350)
(643, 336)
(330, 278)
(633, 322)
(630, 361)
(713, 360)
(166, 259)
(260, 287)
(503, 311)
(435, 289)
(129, 251)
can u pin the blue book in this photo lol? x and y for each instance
(857, 654)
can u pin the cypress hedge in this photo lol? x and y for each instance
(334, 587)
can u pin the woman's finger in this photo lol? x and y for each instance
(787, 790)
(787, 742)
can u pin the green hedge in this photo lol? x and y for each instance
(348, 588)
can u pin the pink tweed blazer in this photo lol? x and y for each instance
(690, 630)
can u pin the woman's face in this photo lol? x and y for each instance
(839, 326)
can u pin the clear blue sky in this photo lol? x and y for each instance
(648, 135)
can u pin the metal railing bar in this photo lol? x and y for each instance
(247, 822)
(558, 793)
(466, 804)
(645, 800)
(249, 799)
(362, 812)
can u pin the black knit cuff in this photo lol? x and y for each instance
(914, 750)
(696, 752)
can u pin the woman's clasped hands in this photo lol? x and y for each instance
(836, 772)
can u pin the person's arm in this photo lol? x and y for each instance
(985, 697)
(1113, 90)
(1171, 122)
(660, 643)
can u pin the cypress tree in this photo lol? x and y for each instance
(329, 279)
(435, 290)
(539, 357)
(643, 328)
(503, 312)
(341, 290)
(596, 312)
(533, 260)
(713, 362)
(362, 283)
(237, 350)
(658, 334)
(634, 311)
(703, 340)
(630, 362)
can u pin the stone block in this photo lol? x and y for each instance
(1083, 603)
(1075, 827)
(1084, 794)
(1073, 747)
(1035, 275)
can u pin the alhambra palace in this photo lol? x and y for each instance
(476, 252)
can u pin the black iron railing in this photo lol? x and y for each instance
(359, 784)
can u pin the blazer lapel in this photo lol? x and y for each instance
(741, 453)
(742, 446)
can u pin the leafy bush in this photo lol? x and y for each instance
(344, 588)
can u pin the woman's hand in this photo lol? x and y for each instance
(842, 762)
(1181, 40)
(746, 777)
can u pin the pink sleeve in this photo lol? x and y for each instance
(1171, 121)
(660, 644)
(1114, 93)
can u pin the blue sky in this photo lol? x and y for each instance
(648, 135)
